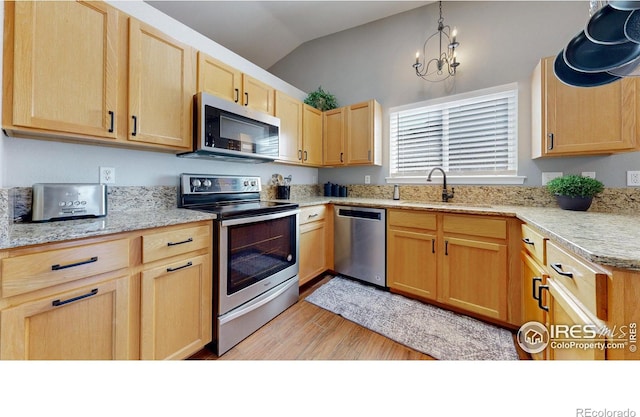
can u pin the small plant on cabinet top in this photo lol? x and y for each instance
(321, 100)
(574, 192)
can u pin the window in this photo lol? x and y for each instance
(471, 136)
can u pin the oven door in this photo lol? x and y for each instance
(256, 254)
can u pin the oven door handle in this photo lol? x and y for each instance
(256, 219)
(257, 303)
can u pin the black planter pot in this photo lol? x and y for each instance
(574, 203)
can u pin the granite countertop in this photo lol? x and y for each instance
(603, 238)
(607, 239)
(25, 234)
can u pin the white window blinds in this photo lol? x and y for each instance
(470, 136)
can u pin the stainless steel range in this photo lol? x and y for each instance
(255, 253)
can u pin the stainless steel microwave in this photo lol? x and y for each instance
(226, 130)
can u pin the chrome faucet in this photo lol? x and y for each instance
(445, 193)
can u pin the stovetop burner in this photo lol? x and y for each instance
(227, 196)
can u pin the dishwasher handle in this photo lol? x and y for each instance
(360, 214)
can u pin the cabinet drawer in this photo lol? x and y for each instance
(312, 214)
(412, 219)
(476, 226)
(584, 280)
(26, 273)
(169, 243)
(534, 243)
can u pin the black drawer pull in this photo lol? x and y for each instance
(111, 115)
(58, 267)
(558, 269)
(533, 284)
(528, 241)
(311, 216)
(135, 125)
(180, 243)
(540, 288)
(237, 95)
(57, 303)
(187, 265)
(433, 246)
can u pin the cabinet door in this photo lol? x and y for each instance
(257, 95)
(588, 120)
(564, 313)
(313, 251)
(474, 276)
(89, 323)
(65, 80)
(311, 136)
(176, 309)
(360, 134)
(533, 275)
(333, 132)
(161, 88)
(218, 78)
(411, 262)
(289, 111)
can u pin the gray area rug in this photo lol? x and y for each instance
(438, 333)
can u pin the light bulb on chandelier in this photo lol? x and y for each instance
(445, 65)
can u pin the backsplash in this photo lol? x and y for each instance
(15, 203)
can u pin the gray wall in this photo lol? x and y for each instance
(500, 43)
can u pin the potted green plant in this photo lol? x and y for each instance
(321, 100)
(574, 192)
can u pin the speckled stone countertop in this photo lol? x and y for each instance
(604, 238)
(25, 234)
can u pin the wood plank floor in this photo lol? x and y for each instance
(307, 332)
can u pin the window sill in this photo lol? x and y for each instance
(460, 179)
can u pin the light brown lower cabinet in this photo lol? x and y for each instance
(95, 299)
(88, 322)
(462, 261)
(176, 308)
(316, 242)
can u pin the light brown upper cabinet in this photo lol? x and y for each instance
(161, 87)
(217, 78)
(353, 135)
(570, 120)
(84, 71)
(300, 131)
(64, 73)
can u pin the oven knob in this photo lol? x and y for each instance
(195, 182)
(253, 183)
(246, 183)
(206, 183)
(76, 203)
(69, 203)
(62, 204)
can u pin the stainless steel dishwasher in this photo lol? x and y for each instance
(360, 243)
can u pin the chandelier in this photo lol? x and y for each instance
(444, 66)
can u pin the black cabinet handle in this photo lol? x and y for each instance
(246, 99)
(135, 125)
(533, 285)
(311, 216)
(187, 265)
(550, 143)
(433, 246)
(446, 248)
(528, 241)
(558, 269)
(540, 288)
(237, 95)
(111, 115)
(300, 154)
(57, 303)
(341, 156)
(306, 156)
(180, 243)
(58, 267)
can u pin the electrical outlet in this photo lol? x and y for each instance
(633, 178)
(107, 175)
(548, 176)
(367, 179)
(589, 174)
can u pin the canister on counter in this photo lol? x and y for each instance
(327, 189)
(343, 191)
(335, 190)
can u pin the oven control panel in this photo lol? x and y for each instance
(207, 184)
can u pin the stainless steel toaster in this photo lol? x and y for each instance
(68, 201)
